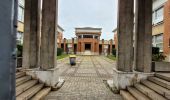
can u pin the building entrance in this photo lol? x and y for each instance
(88, 46)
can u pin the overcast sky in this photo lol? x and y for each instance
(88, 13)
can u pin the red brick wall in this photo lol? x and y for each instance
(115, 40)
(59, 39)
(166, 36)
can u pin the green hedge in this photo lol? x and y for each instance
(59, 51)
(114, 52)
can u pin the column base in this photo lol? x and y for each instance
(123, 79)
(50, 77)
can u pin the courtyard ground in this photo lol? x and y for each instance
(85, 80)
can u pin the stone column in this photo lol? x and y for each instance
(143, 41)
(31, 34)
(125, 35)
(111, 46)
(48, 36)
(73, 44)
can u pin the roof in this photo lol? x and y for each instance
(88, 30)
(114, 30)
(60, 29)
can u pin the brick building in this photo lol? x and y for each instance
(87, 42)
(20, 28)
(59, 32)
(161, 27)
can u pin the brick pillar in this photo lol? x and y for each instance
(125, 35)
(143, 41)
(166, 35)
(31, 35)
(82, 47)
(102, 46)
(111, 46)
(97, 47)
(48, 36)
(59, 39)
(73, 44)
(65, 45)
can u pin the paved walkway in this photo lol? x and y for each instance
(85, 80)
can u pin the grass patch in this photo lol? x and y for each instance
(62, 56)
(111, 57)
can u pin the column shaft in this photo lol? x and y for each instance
(31, 34)
(48, 36)
(143, 41)
(125, 35)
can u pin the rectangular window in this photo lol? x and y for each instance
(19, 37)
(159, 38)
(21, 2)
(158, 41)
(20, 14)
(88, 36)
(158, 15)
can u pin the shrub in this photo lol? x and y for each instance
(158, 57)
(114, 52)
(155, 50)
(59, 51)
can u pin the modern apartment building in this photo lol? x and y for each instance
(161, 26)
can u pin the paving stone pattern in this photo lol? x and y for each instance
(84, 81)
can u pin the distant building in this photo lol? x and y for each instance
(87, 42)
(20, 29)
(60, 31)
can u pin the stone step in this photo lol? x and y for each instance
(22, 80)
(20, 89)
(41, 94)
(137, 94)
(160, 82)
(126, 95)
(161, 90)
(30, 92)
(165, 76)
(148, 92)
(20, 74)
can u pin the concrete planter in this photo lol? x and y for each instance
(161, 66)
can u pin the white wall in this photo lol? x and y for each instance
(158, 3)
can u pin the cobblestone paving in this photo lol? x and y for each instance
(85, 80)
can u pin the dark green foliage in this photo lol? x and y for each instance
(59, 51)
(156, 55)
(114, 52)
(155, 50)
(19, 50)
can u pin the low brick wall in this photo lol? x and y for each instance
(161, 66)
